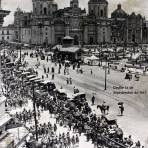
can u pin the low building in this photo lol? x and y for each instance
(7, 33)
(67, 51)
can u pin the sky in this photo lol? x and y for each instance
(138, 6)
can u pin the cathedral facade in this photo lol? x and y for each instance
(48, 25)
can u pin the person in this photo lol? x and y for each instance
(67, 80)
(69, 125)
(70, 81)
(68, 140)
(129, 141)
(47, 59)
(74, 89)
(121, 107)
(80, 129)
(27, 144)
(59, 71)
(42, 76)
(87, 135)
(91, 72)
(53, 76)
(64, 71)
(44, 70)
(73, 66)
(55, 127)
(77, 139)
(48, 70)
(138, 144)
(93, 100)
(73, 140)
(52, 70)
(104, 107)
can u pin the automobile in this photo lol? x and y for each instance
(61, 94)
(9, 64)
(123, 69)
(78, 96)
(47, 85)
(128, 76)
(42, 57)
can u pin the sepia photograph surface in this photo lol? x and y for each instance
(73, 74)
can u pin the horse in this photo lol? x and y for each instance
(103, 108)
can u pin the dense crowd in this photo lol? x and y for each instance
(26, 116)
(50, 137)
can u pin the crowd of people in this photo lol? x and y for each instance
(26, 116)
(51, 138)
(74, 113)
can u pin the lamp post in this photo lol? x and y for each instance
(34, 111)
(20, 54)
(0, 71)
(105, 86)
(105, 77)
(101, 55)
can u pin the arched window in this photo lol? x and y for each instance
(101, 13)
(133, 38)
(98, 11)
(45, 11)
(91, 40)
(41, 9)
(103, 37)
(76, 40)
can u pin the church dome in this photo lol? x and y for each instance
(119, 13)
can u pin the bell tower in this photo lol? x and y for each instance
(74, 4)
(44, 7)
(99, 8)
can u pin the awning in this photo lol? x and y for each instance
(31, 76)
(5, 119)
(68, 38)
(61, 91)
(25, 73)
(34, 79)
(37, 81)
(93, 58)
(69, 49)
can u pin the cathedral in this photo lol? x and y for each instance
(48, 25)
